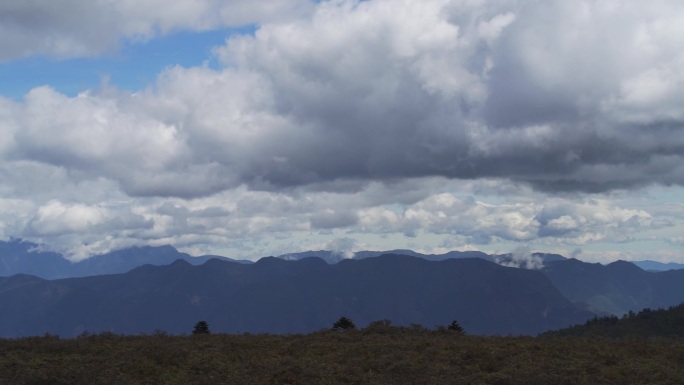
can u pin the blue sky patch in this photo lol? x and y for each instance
(133, 67)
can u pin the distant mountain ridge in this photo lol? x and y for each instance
(278, 296)
(658, 266)
(21, 257)
(335, 256)
(616, 288)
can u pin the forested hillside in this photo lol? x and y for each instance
(646, 323)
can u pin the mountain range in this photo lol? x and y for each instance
(23, 257)
(303, 292)
(278, 296)
(503, 259)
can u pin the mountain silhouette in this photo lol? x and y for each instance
(278, 296)
(616, 288)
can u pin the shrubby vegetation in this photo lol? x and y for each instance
(378, 354)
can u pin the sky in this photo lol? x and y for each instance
(253, 128)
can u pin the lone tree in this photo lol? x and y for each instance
(454, 326)
(202, 327)
(344, 323)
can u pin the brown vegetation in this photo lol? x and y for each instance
(379, 354)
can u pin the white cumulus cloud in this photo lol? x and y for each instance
(383, 117)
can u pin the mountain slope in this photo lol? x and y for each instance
(280, 296)
(616, 288)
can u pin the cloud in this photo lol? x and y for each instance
(382, 117)
(569, 221)
(385, 90)
(56, 218)
(255, 218)
(377, 90)
(342, 248)
(522, 258)
(76, 28)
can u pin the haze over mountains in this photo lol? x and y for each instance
(23, 257)
(140, 290)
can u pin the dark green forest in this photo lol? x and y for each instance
(646, 323)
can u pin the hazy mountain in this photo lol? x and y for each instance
(658, 266)
(326, 255)
(21, 257)
(534, 260)
(336, 256)
(278, 296)
(617, 287)
(121, 261)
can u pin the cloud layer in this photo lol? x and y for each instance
(73, 28)
(345, 115)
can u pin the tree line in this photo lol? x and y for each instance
(344, 323)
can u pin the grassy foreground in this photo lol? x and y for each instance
(380, 356)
